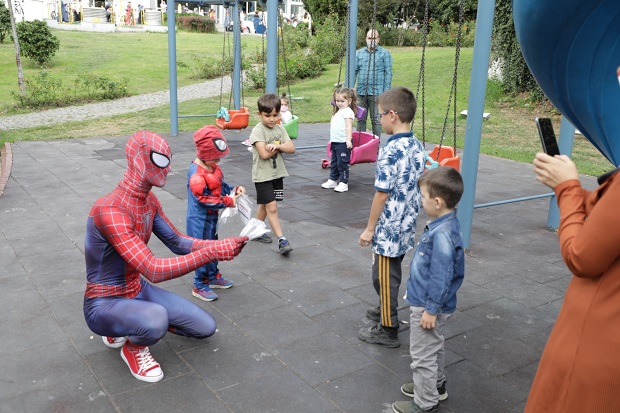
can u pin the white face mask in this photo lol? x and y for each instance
(372, 44)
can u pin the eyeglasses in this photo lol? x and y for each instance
(159, 159)
(380, 115)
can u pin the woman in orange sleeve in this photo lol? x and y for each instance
(580, 366)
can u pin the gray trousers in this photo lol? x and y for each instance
(427, 358)
(370, 103)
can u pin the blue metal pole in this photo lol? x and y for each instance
(237, 65)
(567, 138)
(513, 200)
(271, 84)
(353, 10)
(172, 70)
(475, 110)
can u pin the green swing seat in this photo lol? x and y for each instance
(292, 127)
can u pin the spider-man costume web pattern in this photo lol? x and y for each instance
(207, 194)
(117, 302)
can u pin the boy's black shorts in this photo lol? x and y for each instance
(269, 191)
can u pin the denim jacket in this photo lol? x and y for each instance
(437, 266)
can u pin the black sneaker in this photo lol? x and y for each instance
(285, 247)
(377, 335)
(374, 314)
(407, 390)
(263, 239)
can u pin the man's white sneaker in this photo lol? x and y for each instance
(329, 184)
(140, 362)
(342, 187)
(113, 342)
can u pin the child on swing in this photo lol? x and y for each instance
(340, 138)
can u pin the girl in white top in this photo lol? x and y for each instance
(340, 138)
(285, 114)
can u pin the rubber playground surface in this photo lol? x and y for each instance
(287, 331)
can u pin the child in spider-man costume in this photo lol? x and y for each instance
(207, 194)
(119, 304)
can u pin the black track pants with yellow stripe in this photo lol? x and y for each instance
(386, 276)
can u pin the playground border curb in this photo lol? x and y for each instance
(7, 162)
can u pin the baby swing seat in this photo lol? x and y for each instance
(238, 119)
(443, 156)
(292, 127)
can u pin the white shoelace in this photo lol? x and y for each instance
(145, 360)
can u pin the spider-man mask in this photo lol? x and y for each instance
(148, 159)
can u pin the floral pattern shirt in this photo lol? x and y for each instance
(399, 165)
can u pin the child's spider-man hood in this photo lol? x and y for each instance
(210, 143)
(143, 149)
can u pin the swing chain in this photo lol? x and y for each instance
(374, 32)
(286, 74)
(453, 89)
(421, 79)
(223, 67)
(344, 46)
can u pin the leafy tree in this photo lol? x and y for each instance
(37, 41)
(5, 21)
(447, 11)
(516, 76)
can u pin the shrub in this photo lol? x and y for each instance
(41, 90)
(208, 68)
(36, 41)
(193, 23)
(329, 40)
(96, 87)
(5, 21)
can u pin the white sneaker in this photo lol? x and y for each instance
(342, 187)
(329, 184)
(246, 142)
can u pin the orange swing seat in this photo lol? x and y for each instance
(239, 119)
(447, 156)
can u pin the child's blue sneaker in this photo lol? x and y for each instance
(220, 282)
(204, 294)
(285, 247)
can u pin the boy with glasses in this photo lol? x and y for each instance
(393, 214)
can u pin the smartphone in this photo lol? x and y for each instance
(547, 136)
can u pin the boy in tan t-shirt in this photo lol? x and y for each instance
(269, 140)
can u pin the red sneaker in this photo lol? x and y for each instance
(140, 362)
(113, 342)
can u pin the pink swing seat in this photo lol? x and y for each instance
(365, 149)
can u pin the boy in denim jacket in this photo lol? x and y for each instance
(437, 271)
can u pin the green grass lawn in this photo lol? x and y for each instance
(143, 59)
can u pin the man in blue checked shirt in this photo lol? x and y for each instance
(373, 70)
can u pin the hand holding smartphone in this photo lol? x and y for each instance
(547, 136)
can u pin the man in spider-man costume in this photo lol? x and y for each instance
(122, 307)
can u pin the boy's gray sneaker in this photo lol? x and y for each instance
(377, 335)
(285, 247)
(264, 239)
(411, 407)
(374, 314)
(407, 390)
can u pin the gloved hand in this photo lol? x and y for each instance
(225, 249)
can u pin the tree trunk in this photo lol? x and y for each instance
(18, 58)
